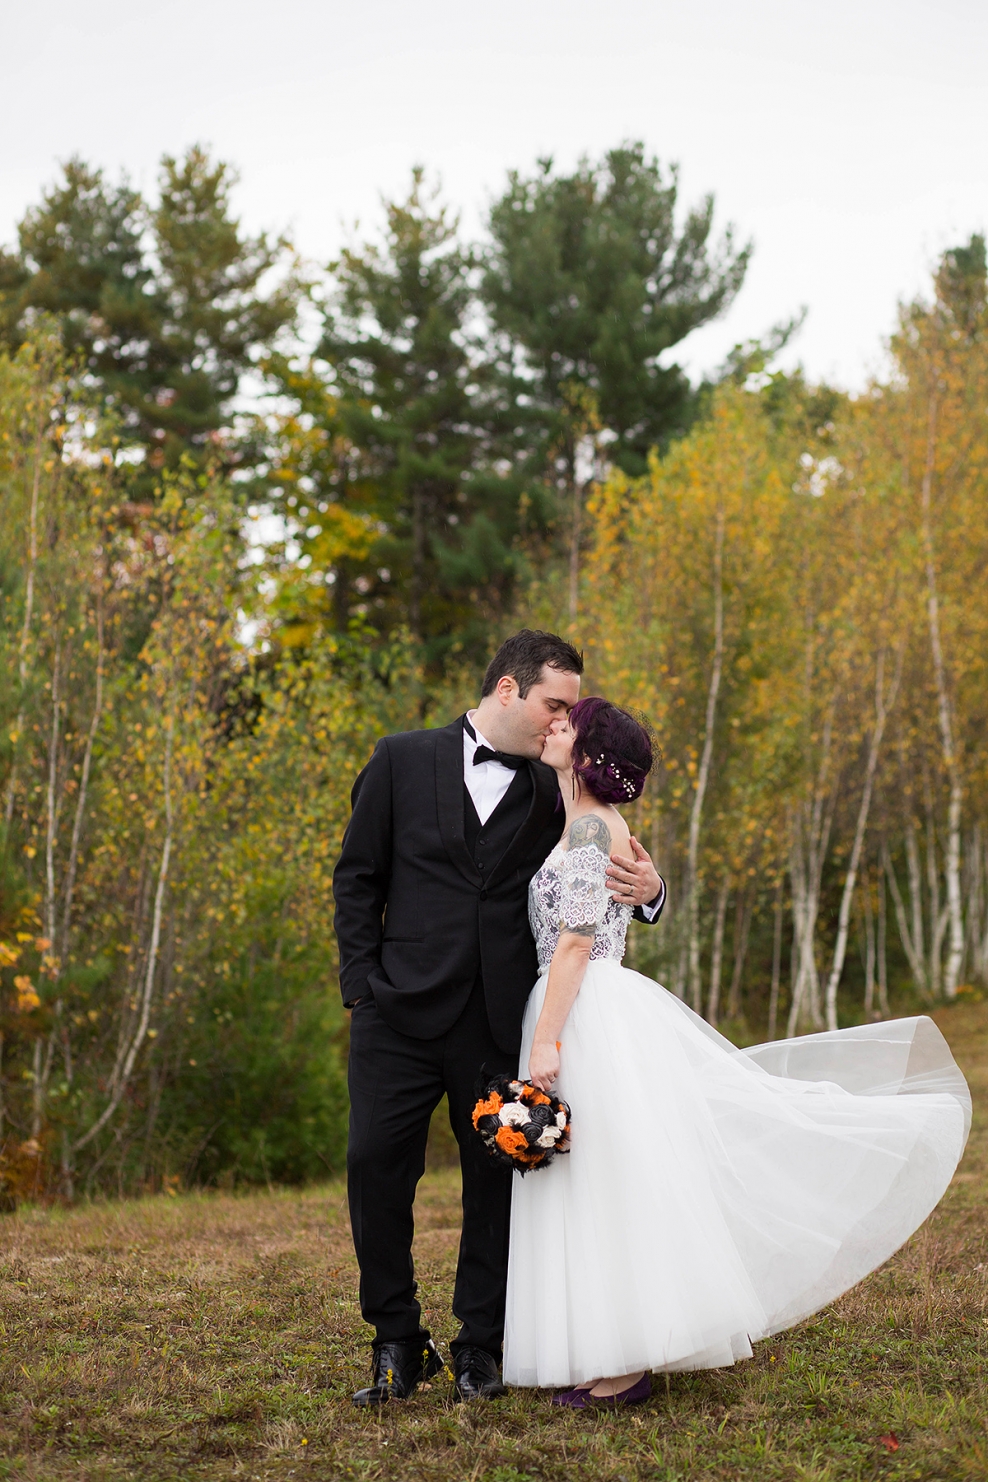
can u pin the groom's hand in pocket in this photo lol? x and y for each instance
(634, 882)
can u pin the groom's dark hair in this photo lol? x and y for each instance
(524, 655)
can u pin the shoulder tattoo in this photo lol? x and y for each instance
(590, 829)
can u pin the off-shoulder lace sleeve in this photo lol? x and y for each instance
(583, 896)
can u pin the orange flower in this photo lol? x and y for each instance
(511, 1140)
(532, 1096)
(488, 1108)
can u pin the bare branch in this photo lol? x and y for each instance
(141, 1030)
(883, 704)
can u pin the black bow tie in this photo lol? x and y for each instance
(484, 754)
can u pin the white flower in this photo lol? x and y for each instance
(560, 1120)
(513, 1114)
(549, 1137)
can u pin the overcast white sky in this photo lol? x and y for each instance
(847, 138)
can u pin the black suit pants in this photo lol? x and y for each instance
(396, 1083)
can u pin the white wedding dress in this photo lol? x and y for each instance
(712, 1195)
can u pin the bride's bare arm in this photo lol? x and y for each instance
(566, 970)
(569, 963)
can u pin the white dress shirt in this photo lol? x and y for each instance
(488, 781)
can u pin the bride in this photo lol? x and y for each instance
(712, 1196)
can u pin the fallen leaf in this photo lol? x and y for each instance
(890, 1442)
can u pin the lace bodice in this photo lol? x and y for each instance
(570, 890)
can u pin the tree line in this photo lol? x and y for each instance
(448, 439)
(429, 444)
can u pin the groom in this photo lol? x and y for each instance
(436, 962)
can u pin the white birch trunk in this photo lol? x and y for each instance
(717, 951)
(773, 997)
(703, 774)
(883, 970)
(869, 932)
(918, 936)
(906, 935)
(41, 1068)
(972, 891)
(938, 914)
(977, 916)
(882, 706)
(813, 821)
(946, 724)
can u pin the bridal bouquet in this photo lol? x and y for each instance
(521, 1127)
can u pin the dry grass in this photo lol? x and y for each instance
(210, 1336)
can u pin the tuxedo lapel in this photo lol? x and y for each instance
(449, 798)
(545, 790)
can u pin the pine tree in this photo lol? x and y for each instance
(162, 309)
(590, 283)
(411, 396)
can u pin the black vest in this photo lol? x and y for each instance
(412, 854)
(488, 842)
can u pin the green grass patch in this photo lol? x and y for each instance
(214, 1336)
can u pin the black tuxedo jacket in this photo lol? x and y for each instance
(417, 922)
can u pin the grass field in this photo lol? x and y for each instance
(214, 1336)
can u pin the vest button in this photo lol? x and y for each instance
(483, 895)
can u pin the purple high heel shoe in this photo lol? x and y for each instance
(582, 1399)
(634, 1395)
(573, 1399)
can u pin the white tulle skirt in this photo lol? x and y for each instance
(714, 1195)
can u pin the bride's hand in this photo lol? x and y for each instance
(543, 1065)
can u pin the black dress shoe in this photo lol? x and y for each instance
(477, 1375)
(399, 1368)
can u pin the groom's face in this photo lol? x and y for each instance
(529, 719)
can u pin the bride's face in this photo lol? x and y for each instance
(558, 749)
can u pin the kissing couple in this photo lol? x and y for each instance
(712, 1195)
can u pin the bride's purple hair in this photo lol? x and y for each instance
(612, 750)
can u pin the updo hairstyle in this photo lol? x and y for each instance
(612, 751)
